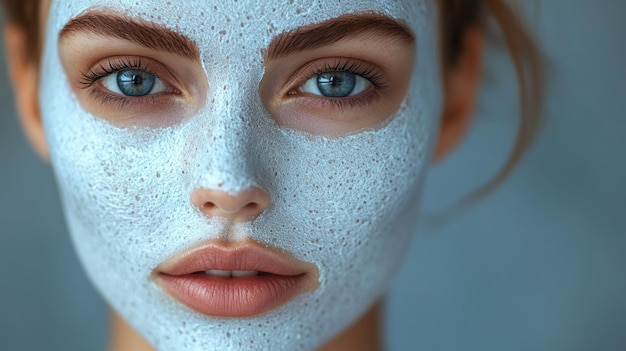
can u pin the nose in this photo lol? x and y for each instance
(243, 206)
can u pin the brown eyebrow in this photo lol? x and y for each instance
(146, 34)
(333, 30)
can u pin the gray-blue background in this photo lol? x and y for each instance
(538, 265)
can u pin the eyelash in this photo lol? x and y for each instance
(112, 66)
(353, 66)
(368, 71)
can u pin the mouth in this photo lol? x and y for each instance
(236, 280)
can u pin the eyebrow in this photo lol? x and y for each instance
(147, 34)
(312, 37)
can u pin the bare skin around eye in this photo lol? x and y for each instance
(85, 55)
(386, 62)
(380, 61)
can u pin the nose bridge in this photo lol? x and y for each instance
(225, 157)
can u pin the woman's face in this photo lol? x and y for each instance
(241, 174)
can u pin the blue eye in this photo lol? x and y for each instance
(335, 84)
(133, 82)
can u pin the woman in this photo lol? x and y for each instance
(245, 176)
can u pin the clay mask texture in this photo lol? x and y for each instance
(347, 204)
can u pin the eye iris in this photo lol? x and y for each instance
(336, 84)
(134, 82)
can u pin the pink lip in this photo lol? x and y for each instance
(280, 278)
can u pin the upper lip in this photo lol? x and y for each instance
(245, 256)
(241, 279)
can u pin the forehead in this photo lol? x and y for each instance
(255, 22)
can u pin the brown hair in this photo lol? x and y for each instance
(25, 14)
(457, 16)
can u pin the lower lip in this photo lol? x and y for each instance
(232, 297)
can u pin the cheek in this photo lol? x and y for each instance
(349, 206)
(121, 188)
(129, 191)
(340, 195)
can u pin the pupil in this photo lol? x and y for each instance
(135, 82)
(336, 84)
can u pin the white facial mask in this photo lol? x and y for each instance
(346, 204)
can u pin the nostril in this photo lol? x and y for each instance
(208, 206)
(212, 207)
(253, 206)
(241, 206)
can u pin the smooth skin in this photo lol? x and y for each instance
(461, 86)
